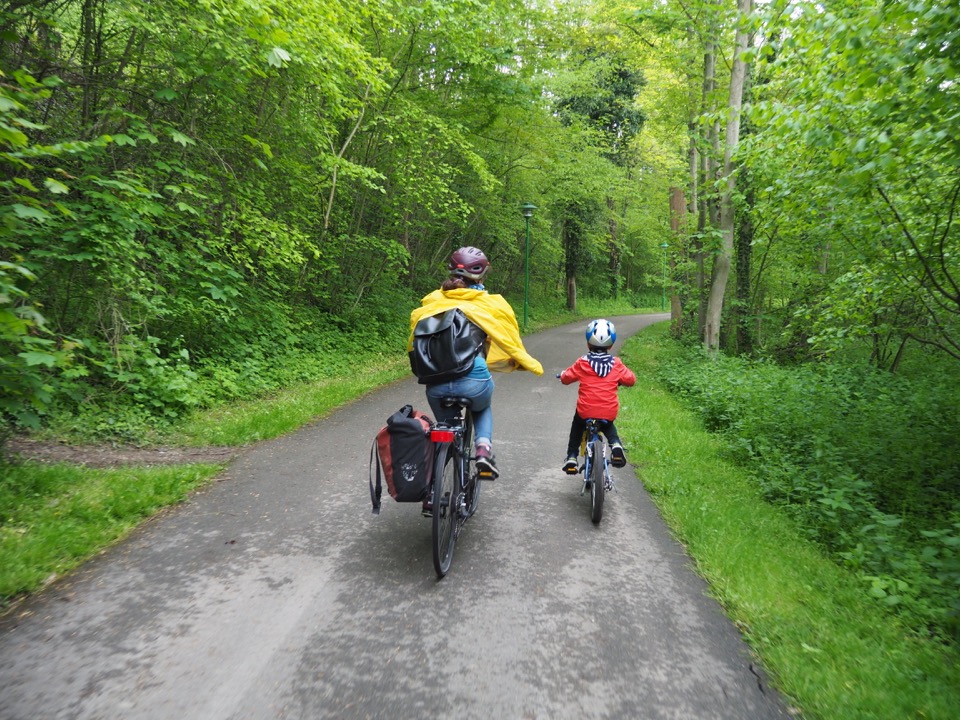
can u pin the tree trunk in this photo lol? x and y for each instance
(678, 218)
(744, 338)
(722, 262)
(705, 217)
(613, 249)
(90, 59)
(571, 249)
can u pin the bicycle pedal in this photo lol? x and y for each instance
(486, 475)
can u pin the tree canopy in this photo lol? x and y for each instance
(197, 195)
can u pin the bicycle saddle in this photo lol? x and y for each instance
(460, 402)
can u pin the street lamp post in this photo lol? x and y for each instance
(663, 283)
(527, 210)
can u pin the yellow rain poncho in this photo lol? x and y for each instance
(490, 312)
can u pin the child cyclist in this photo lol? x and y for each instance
(600, 375)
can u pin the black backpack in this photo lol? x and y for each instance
(444, 347)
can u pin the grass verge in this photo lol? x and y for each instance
(250, 421)
(830, 649)
(53, 517)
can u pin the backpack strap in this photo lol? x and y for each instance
(375, 492)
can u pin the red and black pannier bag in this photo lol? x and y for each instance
(403, 453)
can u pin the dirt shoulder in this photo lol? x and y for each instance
(106, 455)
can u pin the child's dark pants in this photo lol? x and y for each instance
(579, 425)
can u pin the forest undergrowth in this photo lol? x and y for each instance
(833, 649)
(866, 461)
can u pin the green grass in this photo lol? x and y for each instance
(587, 309)
(249, 421)
(828, 647)
(53, 517)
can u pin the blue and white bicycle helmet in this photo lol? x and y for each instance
(601, 333)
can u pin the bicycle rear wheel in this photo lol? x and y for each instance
(596, 481)
(446, 488)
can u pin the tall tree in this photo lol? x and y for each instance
(722, 261)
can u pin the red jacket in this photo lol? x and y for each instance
(597, 397)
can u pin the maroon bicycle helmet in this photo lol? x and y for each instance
(470, 263)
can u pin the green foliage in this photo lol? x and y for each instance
(866, 461)
(149, 387)
(602, 94)
(855, 154)
(246, 421)
(190, 270)
(27, 348)
(863, 308)
(834, 651)
(215, 199)
(24, 390)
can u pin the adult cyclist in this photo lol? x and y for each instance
(503, 349)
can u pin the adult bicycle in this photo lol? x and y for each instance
(456, 481)
(597, 478)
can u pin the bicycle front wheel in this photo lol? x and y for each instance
(596, 482)
(446, 489)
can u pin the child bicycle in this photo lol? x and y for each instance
(456, 482)
(597, 477)
(600, 375)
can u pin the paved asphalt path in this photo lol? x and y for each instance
(275, 593)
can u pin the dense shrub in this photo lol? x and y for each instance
(868, 461)
(140, 385)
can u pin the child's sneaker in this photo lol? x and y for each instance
(570, 466)
(616, 455)
(486, 467)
